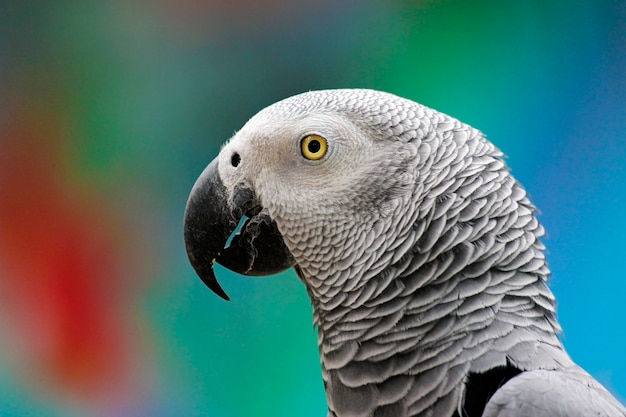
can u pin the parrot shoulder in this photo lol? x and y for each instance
(556, 393)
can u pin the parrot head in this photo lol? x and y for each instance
(330, 181)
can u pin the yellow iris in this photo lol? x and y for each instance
(314, 147)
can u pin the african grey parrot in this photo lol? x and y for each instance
(418, 249)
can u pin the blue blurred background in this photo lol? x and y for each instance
(110, 110)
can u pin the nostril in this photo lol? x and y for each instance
(235, 159)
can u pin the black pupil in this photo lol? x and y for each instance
(314, 146)
(235, 159)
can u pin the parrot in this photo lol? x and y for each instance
(421, 254)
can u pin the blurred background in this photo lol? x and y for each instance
(110, 110)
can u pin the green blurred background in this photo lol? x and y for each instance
(110, 110)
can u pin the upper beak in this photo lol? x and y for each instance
(212, 214)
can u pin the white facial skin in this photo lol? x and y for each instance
(272, 159)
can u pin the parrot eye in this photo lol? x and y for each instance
(313, 147)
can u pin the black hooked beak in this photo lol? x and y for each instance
(211, 216)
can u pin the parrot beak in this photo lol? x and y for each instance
(212, 215)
